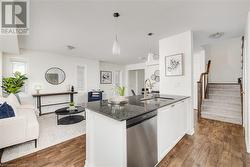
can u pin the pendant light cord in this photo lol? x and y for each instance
(150, 41)
(116, 15)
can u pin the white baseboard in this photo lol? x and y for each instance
(190, 132)
(86, 163)
(247, 145)
(248, 148)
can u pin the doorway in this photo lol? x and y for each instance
(136, 80)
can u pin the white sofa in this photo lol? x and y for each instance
(21, 128)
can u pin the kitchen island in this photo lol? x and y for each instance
(139, 133)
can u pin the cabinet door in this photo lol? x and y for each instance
(183, 113)
(171, 126)
(181, 120)
(166, 130)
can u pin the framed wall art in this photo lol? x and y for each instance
(174, 65)
(106, 77)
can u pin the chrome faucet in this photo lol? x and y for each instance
(147, 85)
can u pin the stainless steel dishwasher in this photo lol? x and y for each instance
(142, 141)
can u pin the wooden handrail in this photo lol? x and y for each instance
(241, 97)
(202, 88)
(240, 79)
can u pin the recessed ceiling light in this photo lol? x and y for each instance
(216, 35)
(70, 47)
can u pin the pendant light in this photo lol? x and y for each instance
(150, 54)
(116, 47)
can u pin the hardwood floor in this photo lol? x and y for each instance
(213, 144)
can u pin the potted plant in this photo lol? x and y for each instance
(119, 97)
(72, 106)
(14, 84)
(120, 90)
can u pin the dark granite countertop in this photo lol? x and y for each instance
(133, 108)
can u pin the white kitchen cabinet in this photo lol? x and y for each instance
(171, 126)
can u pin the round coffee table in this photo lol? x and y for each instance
(70, 116)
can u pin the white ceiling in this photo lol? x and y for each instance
(90, 27)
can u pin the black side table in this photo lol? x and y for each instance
(70, 116)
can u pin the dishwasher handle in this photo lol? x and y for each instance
(140, 119)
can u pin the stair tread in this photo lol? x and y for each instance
(222, 118)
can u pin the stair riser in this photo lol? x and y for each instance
(222, 113)
(221, 118)
(230, 109)
(229, 98)
(233, 121)
(220, 89)
(233, 93)
(225, 89)
(224, 86)
(222, 102)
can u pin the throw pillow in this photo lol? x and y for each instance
(6, 111)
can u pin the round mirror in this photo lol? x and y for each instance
(55, 76)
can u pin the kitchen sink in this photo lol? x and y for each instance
(156, 99)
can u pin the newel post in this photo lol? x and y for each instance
(199, 98)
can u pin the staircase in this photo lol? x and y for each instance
(223, 103)
(219, 101)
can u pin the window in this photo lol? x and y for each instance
(19, 66)
(81, 78)
(117, 78)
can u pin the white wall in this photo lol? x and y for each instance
(246, 76)
(178, 85)
(225, 59)
(199, 65)
(108, 88)
(40, 62)
(9, 44)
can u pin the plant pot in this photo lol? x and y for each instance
(18, 98)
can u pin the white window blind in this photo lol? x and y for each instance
(19, 66)
(81, 78)
(117, 78)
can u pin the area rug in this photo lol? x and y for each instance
(50, 134)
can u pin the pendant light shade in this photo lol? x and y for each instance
(116, 47)
(150, 54)
(150, 57)
(151, 60)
